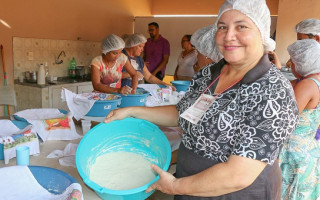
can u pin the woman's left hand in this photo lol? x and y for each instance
(165, 183)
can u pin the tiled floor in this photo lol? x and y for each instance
(88, 193)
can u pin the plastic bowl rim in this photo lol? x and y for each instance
(93, 185)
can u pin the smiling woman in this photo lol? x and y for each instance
(239, 39)
(235, 116)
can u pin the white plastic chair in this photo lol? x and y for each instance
(8, 97)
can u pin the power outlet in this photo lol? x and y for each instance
(30, 55)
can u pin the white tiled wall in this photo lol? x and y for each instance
(47, 50)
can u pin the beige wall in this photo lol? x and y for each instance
(65, 20)
(290, 13)
(205, 7)
(92, 20)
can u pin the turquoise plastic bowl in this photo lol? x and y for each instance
(102, 108)
(138, 99)
(131, 135)
(181, 85)
(53, 180)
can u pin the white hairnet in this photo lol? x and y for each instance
(258, 12)
(203, 40)
(134, 40)
(111, 43)
(305, 54)
(309, 26)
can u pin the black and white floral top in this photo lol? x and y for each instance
(252, 119)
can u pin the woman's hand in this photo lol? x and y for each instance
(172, 87)
(165, 183)
(117, 114)
(125, 90)
(133, 91)
(275, 59)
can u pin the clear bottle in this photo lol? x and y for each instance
(72, 68)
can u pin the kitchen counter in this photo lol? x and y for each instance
(32, 95)
(60, 81)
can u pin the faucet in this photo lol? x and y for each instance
(60, 61)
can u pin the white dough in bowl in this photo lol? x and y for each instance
(121, 171)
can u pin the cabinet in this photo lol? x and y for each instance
(49, 96)
(55, 93)
(85, 88)
(55, 96)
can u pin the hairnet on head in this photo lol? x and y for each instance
(258, 12)
(111, 43)
(135, 40)
(305, 54)
(309, 26)
(203, 41)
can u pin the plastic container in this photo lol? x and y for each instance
(23, 154)
(131, 135)
(41, 75)
(138, 99)
(181, 85)
(102, 108)
(53, 180)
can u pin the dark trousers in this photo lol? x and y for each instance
(158, 75)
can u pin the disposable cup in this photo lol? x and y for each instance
(21, 78)
(86, 126)
(23, 154)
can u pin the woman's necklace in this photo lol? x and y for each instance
(230, 86)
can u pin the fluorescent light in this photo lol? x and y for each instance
(185, 15)
(5, 23)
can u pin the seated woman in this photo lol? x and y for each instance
(300, 156)
(186, 60)
(107, 68)
(134, 45)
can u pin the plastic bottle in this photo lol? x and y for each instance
(46, 68)
(41, 75)
(72, 68)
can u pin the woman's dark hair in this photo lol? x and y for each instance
(188, 37)
(154, 24)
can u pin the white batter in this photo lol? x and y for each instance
(121, 171)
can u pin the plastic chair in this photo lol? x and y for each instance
(8, 97)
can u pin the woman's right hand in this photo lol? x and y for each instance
(117, 114)
(125, 90)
